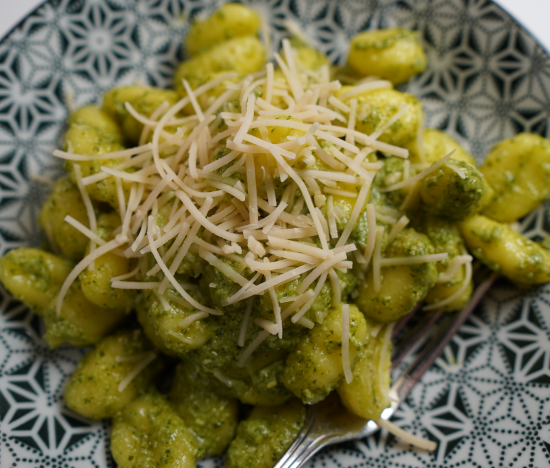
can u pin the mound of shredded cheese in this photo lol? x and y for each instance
(272, 236)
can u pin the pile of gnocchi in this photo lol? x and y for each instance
(229, 271)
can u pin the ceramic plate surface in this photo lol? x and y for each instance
(486, 400)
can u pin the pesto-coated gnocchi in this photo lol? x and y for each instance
(454, 191)
(65, 200)
(438, 144)
(79, 322)
(144, 100)
(402, 286)
(374, 108)
(175, 329)
(95, 280)
(148, 433)
(93, 132)
(212, 417)
(230, 21)
(445, 237)
(315, 367)
(265, 435)
(106, 379)
(367, 394)
(518, 169)
(393, 54)
(242, 55)
(506, 251)
(33, 276)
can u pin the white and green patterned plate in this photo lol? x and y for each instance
(486, 401)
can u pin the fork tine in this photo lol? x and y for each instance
(424, 360)
(415, 336)
(401, 324)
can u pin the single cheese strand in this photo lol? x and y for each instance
(170, 276)
(193, 160)
(371, 236)
(351, 120)
(182, 252)
(457, 294)
(126, 275)
(262, 336)
(303, 258)
(269, 187)
(434, 167)
(121, 200)
(271, 218)
(303, 310)
(283, 234)
(419, 442)
(222, 267)
(382, 128)
(244, 323)
(190, 319)
(453, 268)
(81, 266)
(336, 176)
(281, 279)
(397, 228)
(213, 166)
(376, 259)
(307, 197)
(345, 344)
(87, 203)
(193, 99)
(252, 193)
(355, 213)
(135, 284)
(393, 261)
(135, 371)
(228, 189)
(201, 219)
(365, 88)
(268, 326)
(333, 228)
(321, 269)
(268, 93)
(342, 193)
(127, 153)
(249, 116)
(84, 230)
(269, 266)
(336, 287)
(298, 247)
(276, 306)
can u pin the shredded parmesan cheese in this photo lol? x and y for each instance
(419, 442)
(345, 344)
(273, 204)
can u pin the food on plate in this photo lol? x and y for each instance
(250, 238)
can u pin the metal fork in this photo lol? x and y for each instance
(329, 423)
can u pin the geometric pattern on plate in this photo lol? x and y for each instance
(486, 400)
